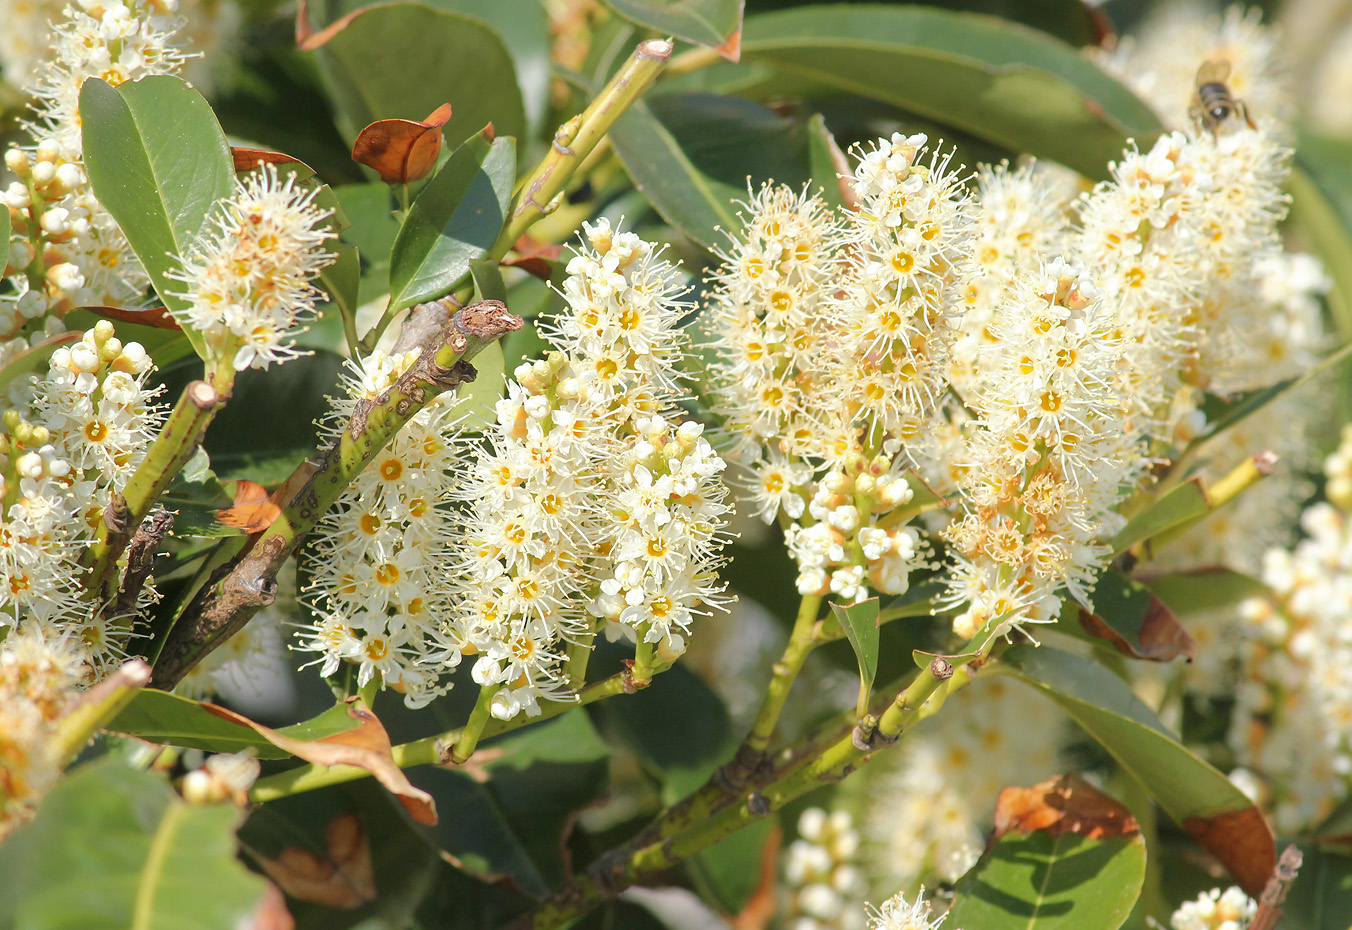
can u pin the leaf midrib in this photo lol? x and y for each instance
(147, 885)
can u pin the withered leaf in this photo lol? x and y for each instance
(760, 907)
(158, 317)
(1242, 841)
(533, 257)
(367, 746)
(402, 150)
(246, 159)
(1067, 804)
(342, 878)
(1143, 626)
(255, 509)
(271, 913)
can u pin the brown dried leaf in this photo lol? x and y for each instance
(533, 257)
(246, 159)
(307, 40)
(1161, 637)
(367, 746)
(157, 317)
(1068, 804)
(731, 49)
(402, 150)
(342, 878)
(255, 509)
(1242, 841)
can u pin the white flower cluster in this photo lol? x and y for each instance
(899, 914)
(590, 501)
(37, 675)
(934, 799)
(1293, 716)
(822, 880)
(595, 502)
(66, 251)
(379, 584)
(1028, 352)
(250, 280)
(1230, 909)
(70, 440)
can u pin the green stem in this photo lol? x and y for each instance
(651, 855)
(474, 727)
(802, 641)
(433, 750)
(170, 451)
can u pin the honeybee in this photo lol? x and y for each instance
(1213, 104)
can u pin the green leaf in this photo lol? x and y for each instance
(1321, 207)
(195, 504)
(710, 23)
(997, 80)
(1202, 800)
(369, 209)
(1224, 414)
(455, 220)
(114, 848)
(159, 163)
(822, 152)
(694, 156)
(161, 717)
(514, 816)
(4, 238)
(677, 726)
(1321, 896)
(1180, 504)
(1045, 882)
(35, 359)
(403, 60)
(1205, 589)
(860, 623)
(728, 873)
(488, 283)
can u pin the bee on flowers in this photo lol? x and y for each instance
(1212, 103)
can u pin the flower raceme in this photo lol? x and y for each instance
(1023, 353)
(250, 279)
(590, 503)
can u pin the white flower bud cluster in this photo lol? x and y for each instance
(71, 439)
(899, 914)
(73, 250)
(251, 279)
(1292, 723)
(37, 678)
(595, 501)
(822, 880)
(379, 583)
(1230, 909)
(933, 802)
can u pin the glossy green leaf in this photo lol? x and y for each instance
(488, 283)
(1045, 882)
(373, 227)
(1191, 791)
(1321, 207)
(159, 163)
(1008, 84)
(455, 220)
(1180, 504)
(114, 848)
(403, 60)
(860, 623)
(195, 504)
(160, 717)
(513, 815)
(704, 22)
(694, 156)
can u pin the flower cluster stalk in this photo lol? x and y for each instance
(175, 445)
